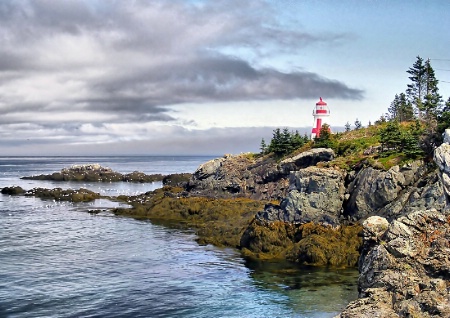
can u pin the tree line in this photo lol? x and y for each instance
(423, 108)
(283, 142)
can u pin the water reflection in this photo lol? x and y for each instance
(309, 289)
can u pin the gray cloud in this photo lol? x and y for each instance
(180, 141)
(68, 64)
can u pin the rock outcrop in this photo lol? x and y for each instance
(442, 159)
(316, 195)
(404, 268)
(96, 173)
(243, 175)
(306, 159)
(57, 194)
(372, 190)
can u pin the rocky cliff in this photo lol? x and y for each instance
(243, 175)
(307, 189)
(404, 268)
(328, 195)
(405, 264)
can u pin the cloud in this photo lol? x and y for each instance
(76, 63)
(141, 140)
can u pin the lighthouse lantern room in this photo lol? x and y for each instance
(320, 113)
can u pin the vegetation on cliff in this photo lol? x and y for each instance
(410, 130)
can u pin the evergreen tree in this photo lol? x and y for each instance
(432, 100)
(325, 138)
(286, 141)
(263, 146)
(411, 140)
(416, 90)
(423, 92)
(306, 139)
(390, 137)
(275, 144)
(358, 124)
(401, 109)
(297, 140)
(348, 127)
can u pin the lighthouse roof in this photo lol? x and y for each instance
(321, 102)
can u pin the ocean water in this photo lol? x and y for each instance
(57, 260)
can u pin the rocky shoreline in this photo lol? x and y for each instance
(393, 224)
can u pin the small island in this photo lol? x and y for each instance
(96, 173)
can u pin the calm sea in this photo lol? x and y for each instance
(57, 260)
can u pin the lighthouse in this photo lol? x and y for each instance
(320, 113)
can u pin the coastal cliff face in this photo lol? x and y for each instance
(259, 179)
(307, 192)
(307, 189)
(404, 268)
(405, 264)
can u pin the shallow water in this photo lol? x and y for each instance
(59, 261)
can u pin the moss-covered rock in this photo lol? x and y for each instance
(13, 190)
(58, 194)
(216, 221)
(308, 244)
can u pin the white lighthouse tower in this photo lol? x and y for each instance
(320, 113)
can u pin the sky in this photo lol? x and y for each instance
(202, 77)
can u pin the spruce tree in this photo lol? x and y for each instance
(401, 109)
(325, 138)
(416, 89)
(390, 137)
(348, 127)
(263, 146)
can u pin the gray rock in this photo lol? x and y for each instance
(374, 227)
(242, 175)
(446, 136)
(316, 194)
(373, 189)
(406, 273)
(442, 159)
(385, 193)
(208, 169)
(307, 159)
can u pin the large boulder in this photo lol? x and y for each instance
(405, 268)
(316, 195)
(371, 190)
(307, 159)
